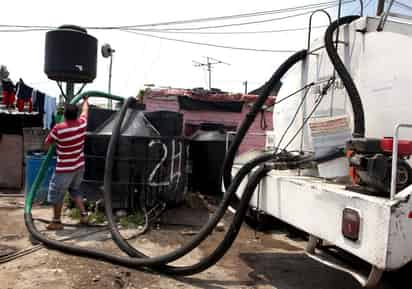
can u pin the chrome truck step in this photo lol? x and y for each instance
(370, 280)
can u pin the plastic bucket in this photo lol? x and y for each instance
(33, 163)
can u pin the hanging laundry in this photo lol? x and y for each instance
(49, 111)
(8, 92)
(33, 96)
(24, 94)
(38, 99)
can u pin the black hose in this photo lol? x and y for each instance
(135, 262)
(160, 261)
(353, 93)
(35, 248)
(71, 225)
(257, 106)
(234, 228)
(333, 155)
(92, 253)
(208, 228)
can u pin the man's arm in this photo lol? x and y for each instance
(46, 146)
(85, 108)
(50, 139)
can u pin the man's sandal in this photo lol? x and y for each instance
(55, 225)
(84, 218)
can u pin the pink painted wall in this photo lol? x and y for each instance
(251, 141)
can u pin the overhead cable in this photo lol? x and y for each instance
(208, 19)
(228, 32)
(209, 44)
(250, 22)
(403, 5)
(227, 17)
(188, 32)
(23, 30)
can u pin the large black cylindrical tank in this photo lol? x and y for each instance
(207, 152)
(70, 55)
(97, 116)
(168, 123)
(148, 166)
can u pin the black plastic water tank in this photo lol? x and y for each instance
(168, 123)
(207, 152)
(97, 116)
(147, 166)
(70, 54)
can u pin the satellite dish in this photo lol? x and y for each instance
(107, 50)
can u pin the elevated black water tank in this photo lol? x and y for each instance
(70, 55)
(207, 152)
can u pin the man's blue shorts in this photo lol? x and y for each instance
(61, 183)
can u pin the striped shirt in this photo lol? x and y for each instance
(69, 138)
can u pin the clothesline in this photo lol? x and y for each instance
(25, 97)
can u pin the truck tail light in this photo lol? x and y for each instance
(350, 224)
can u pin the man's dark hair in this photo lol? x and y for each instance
(71, 112)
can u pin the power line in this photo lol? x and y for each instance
(229, 32)
(188, 32)
(207, 44)
(227, 17)
(26, 26)
(23, 30)
(400, 4)
(325, 5)
(250, 22)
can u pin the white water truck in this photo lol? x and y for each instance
(355, 102)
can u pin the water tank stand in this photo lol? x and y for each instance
(69, 91)
(65, 97)
(69, 94)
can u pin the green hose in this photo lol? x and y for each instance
(95, 93)
(50, 153)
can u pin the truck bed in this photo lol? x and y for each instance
(316, 206)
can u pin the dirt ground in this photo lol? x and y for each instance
(256, 260)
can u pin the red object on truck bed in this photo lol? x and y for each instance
(404, 146)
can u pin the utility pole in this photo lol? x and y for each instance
(209, 64)
(107, 52)
(245, 84)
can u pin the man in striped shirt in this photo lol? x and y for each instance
(69, 139)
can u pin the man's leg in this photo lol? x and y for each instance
(78, 200)
(59, 184)
(76, 195)
(57, 211)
